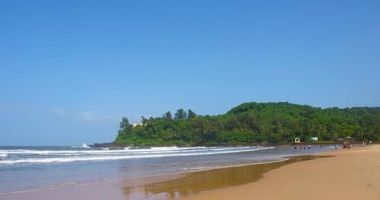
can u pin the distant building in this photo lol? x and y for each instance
(297, 140)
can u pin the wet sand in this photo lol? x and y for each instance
(195, 182)
(350, 175)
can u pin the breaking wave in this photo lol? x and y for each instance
(30, 156)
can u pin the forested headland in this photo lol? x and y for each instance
(252, 123)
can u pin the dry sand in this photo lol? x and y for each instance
(350, 175)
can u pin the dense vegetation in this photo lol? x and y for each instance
(251, 123)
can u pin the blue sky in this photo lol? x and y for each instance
(70, 69)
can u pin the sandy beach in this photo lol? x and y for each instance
(349, 174)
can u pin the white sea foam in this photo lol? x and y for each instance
(82, 146)
(64, 156)
(3, 155)
(105, 151)
(85, 146)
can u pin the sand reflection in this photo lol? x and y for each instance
(195, 182)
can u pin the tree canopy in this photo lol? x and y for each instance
(251, 123)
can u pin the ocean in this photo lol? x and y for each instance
(25, 169)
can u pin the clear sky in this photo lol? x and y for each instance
(70, 69)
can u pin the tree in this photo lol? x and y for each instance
(191, 114)
(125, 126)
(144, 120)
(168, 115)
(180, 114)
(253, 122)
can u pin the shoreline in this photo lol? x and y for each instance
(116, 146)
(154, 187)
(238, 181)
(115, 188)
(142, 180)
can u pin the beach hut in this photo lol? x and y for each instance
(297, 140)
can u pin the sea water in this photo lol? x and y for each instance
(34, 168)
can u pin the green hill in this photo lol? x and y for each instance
(251, 123)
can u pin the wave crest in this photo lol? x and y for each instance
(25, 156)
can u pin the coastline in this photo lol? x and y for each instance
(132, 184)
(322, 176)
(116, 188)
